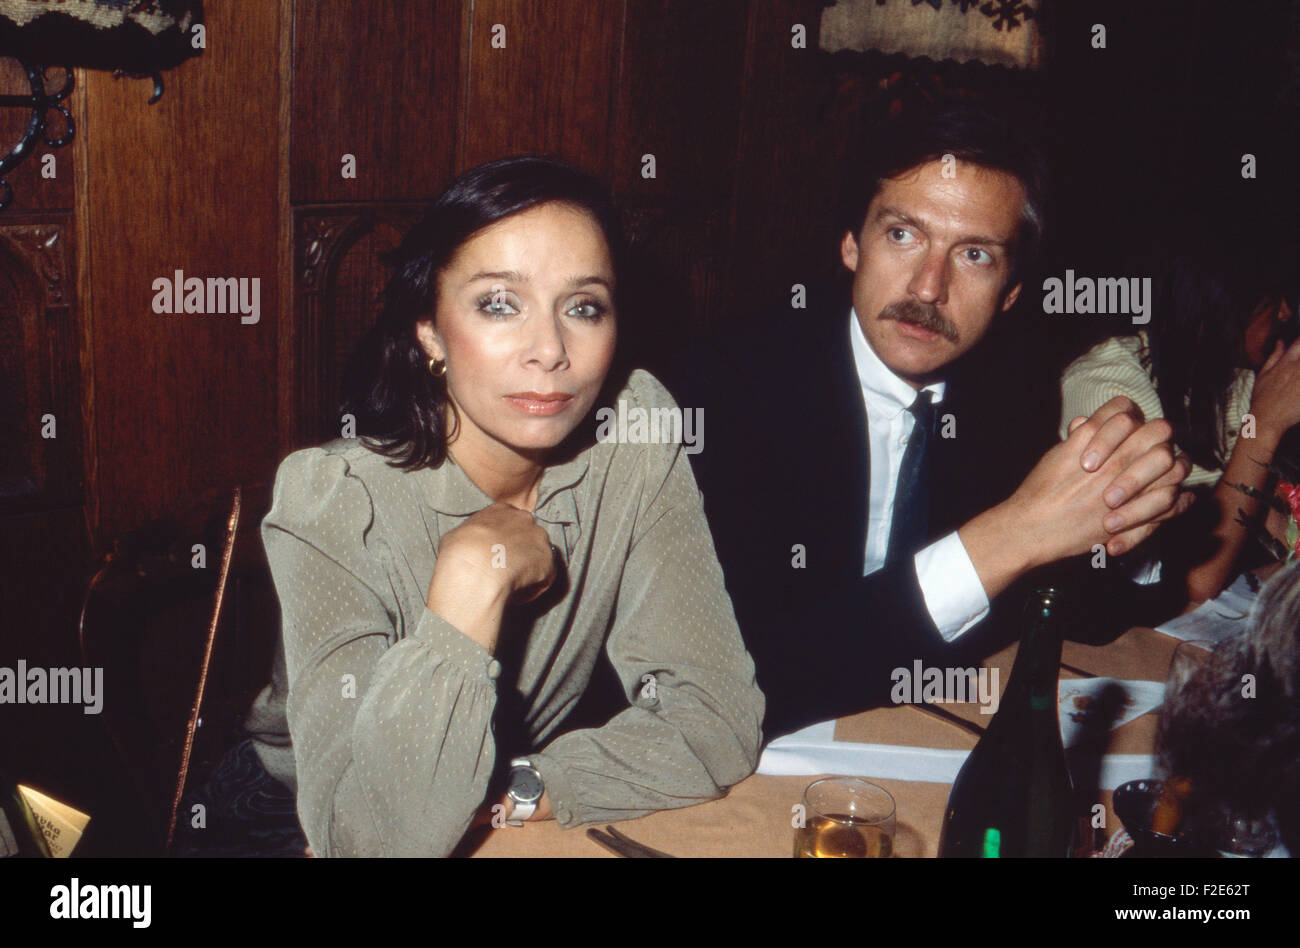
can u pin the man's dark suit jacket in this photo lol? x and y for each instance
(785, 468)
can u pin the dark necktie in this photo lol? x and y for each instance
(911, 518)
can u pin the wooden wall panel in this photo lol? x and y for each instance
(184, 402)
(44, 549)
(785, 154)
(338, 281)
(679, 99)
(378, 80)
(32, 192)
(39, 367)
(550, 90)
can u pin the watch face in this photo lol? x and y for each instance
(525, 785)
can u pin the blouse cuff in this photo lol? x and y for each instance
(455, 646)
(558, 789)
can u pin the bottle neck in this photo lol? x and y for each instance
(1036, 672)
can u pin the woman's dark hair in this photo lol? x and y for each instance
(1205, 296)
(995, 137)
(399, 406)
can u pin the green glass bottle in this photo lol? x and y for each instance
(1013, 795)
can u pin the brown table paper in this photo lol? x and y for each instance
(756, 818)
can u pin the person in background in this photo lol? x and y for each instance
(1239, 746)
(450, 579)
(1217, 363)
(871, 504)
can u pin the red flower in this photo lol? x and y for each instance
(1291, 494)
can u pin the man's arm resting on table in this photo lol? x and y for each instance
(1110, 483)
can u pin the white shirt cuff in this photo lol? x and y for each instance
(1145, 573)
(951, 587)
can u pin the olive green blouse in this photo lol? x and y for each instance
(391, 708)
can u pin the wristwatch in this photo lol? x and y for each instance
(525, 790)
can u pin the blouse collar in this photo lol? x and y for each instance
(449, 490)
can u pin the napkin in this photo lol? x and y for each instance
(1215, 619)
(814, 750)
(788, 756)
(1077, 695)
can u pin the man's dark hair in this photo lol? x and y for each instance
(994, 139)
(398, 404)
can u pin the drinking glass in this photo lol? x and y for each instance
(1241, 836)
(845, 817)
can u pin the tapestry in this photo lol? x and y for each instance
(996, 32)
(133, 35)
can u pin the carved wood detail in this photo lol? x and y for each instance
(323, 238)
(39, 378)
(43, 247)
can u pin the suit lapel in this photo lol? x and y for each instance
(947, 506)
(838, 455)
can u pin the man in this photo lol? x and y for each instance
(856, 539)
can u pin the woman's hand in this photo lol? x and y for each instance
(505, 547)
(498, 556)
(1275, 401)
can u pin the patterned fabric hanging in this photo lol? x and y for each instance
(137, 36)
(996, 32)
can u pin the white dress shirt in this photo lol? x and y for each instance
(952, 590)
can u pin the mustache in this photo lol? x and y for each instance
(925, 315)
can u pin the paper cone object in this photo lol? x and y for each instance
(61, 824)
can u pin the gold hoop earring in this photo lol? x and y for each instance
(437, 368)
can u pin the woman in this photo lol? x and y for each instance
(1215, 365)
(449, 579)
